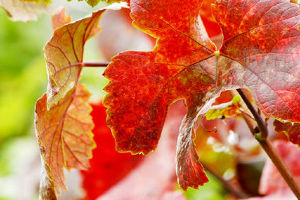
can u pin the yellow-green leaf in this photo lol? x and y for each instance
(229, 109)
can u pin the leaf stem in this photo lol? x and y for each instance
(260, 122)
(95, 64)
(266, 144)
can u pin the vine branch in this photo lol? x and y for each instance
(260, 122)
(262, 137)
(95, 64)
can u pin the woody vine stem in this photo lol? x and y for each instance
(259, 131)
(262, 137)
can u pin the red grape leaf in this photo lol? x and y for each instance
(18, 10)
(291, 130)
(154, 177)
(64, 134)
(208, 19)
(140, 123)
(263, 37)
(260, 51)
(112, 174)
(271, 183)
(155, 79)
(107, 167)
(189, 171)
(64, 55)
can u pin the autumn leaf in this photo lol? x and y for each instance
(19, 10)
(60, 19)
(63, 123)
(260, 52)
(64, 55)
(261, 38)
(291, 130)
(154, 177)
(64, 134)
(107, 167)
(155, 79)
(208, 19)
(225, 110)
(113, 174)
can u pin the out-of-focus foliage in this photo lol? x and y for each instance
(90, 2)
(38, 1)
(212, 190)
(22, 78)
(19, 10)
(22, 75)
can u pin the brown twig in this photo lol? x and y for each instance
(261, 137)
(260, 122)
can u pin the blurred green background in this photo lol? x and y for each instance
(23, 80)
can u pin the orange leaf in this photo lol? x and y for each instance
(64, 134)
(63, 123)
(64, 55)
(59, 19)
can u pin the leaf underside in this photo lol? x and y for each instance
(261, 52)
(291, 130)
